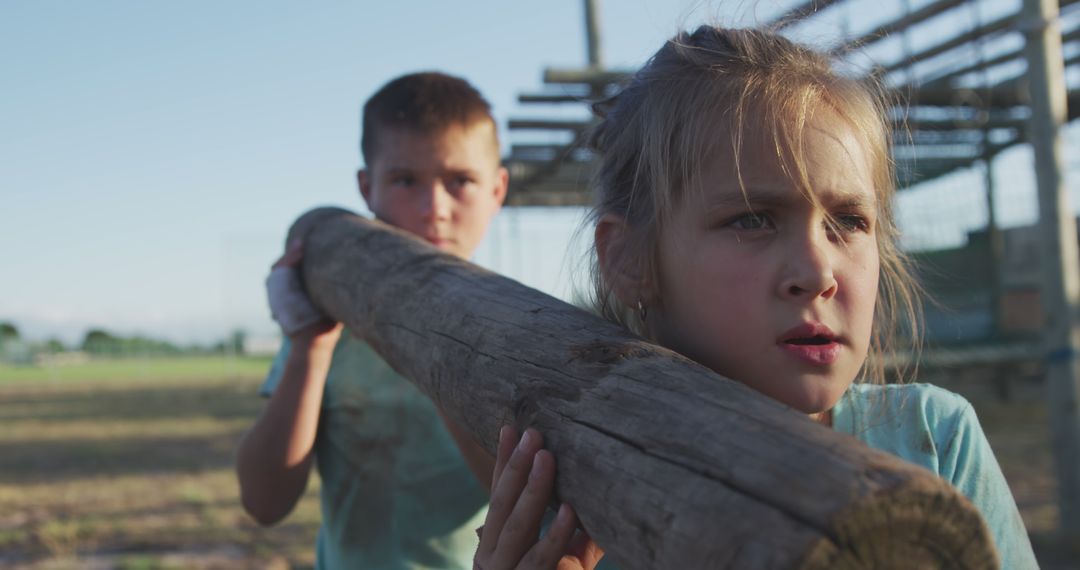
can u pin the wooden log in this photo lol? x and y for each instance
(668, 464)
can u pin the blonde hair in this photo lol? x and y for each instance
(655, 135)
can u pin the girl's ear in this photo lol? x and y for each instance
(620, 268)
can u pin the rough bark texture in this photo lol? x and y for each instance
(667, 464)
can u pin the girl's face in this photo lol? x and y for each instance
(768, 288)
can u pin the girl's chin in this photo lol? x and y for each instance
(812, 395)
(816, 404)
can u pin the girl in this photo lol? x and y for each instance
(744, 219)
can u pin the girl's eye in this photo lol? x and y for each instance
(751, 221)
(847, 224)
(852, 223)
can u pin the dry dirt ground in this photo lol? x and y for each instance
(133, 470)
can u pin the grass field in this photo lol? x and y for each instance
(128, 465)
(137, 369)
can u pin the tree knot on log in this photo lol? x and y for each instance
(609, 353)
(529, 401)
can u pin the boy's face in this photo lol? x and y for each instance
(444, 187)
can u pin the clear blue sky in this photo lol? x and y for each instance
(155, 152)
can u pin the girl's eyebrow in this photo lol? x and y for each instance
(850, 200)
(753, 196)
(770, 196)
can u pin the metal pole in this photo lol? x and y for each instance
(1061, 281)
(592, 33)
(995, 245)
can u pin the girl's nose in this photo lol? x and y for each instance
(808, 272)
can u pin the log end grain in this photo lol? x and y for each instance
(924, 524)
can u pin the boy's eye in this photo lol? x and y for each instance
(460, 181)
(403, 180)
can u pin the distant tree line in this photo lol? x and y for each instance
(100, 342)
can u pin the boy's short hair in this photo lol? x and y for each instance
(425, 102)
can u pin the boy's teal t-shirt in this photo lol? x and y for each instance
(938, 430)
(396, 492)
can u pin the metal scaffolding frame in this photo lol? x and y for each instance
(958, 103)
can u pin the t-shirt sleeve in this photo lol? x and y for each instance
(277, 368)
(969, 464)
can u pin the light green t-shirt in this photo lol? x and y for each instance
(396, 492)
(938, 430)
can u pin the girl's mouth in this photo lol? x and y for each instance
(817, 350)
(812, 343)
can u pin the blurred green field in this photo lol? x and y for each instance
(139, 369)
(128, 464)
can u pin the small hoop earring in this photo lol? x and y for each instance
(642, 310)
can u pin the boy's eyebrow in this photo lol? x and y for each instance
(463, 170)
(393, 170)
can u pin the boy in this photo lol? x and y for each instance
(398, 483)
